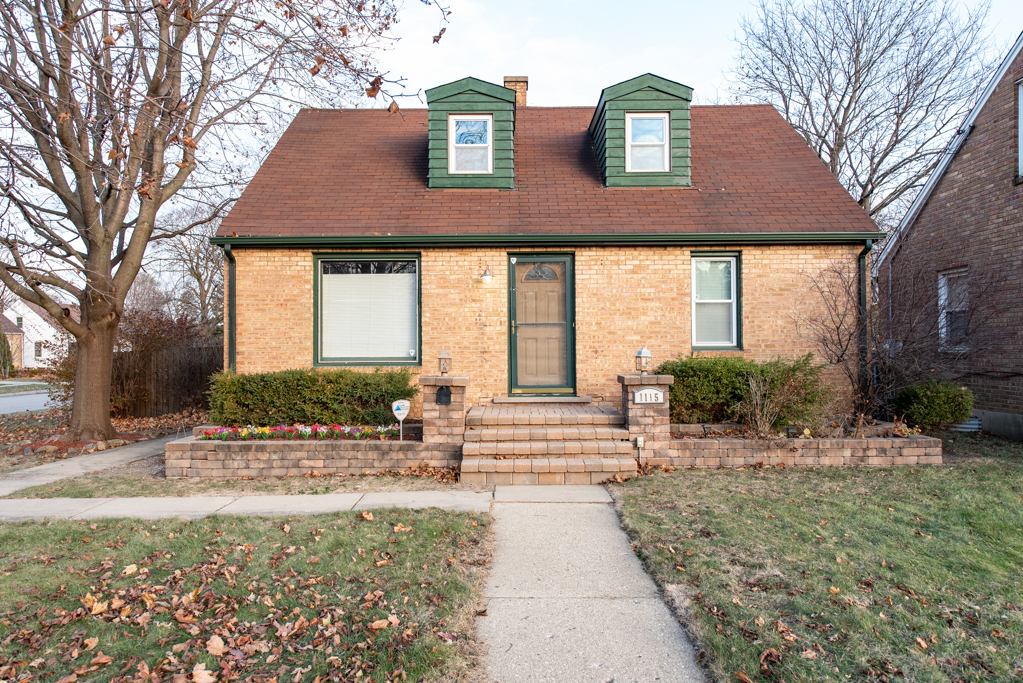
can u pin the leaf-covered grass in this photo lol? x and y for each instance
(912, 573)
(327, 598)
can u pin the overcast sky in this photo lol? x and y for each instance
(571, 49)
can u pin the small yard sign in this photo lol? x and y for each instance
(648, 395)
(400, 409)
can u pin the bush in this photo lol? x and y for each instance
(777, 393)
(784, 393)
(934, 404)
(6, 357)
(308, 397)
(705, 389)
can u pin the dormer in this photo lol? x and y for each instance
(641, 133)
(472, 127)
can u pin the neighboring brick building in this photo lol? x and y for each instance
(965, 232)
(542, 247)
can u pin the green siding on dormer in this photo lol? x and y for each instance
(472, 96)
(646, 93)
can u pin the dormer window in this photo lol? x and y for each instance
(647, 142)
(470, 143)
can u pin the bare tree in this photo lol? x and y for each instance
(108, 110)
(148, 293)
(900, 340)
(875, 87)
(197, 267)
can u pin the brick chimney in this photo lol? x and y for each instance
(519, 84)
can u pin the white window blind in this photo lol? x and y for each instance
(369, 311)
(714, 310)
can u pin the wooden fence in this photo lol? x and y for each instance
(174, 378)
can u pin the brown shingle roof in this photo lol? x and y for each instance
(363, 172)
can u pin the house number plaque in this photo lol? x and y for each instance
(444, 396)
(647, 395)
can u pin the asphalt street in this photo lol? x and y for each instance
(14, 404)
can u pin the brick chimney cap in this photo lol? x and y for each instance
(515, 79)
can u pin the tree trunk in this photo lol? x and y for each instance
(90, 408)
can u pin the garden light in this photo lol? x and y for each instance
(444, 363)
(644, 361)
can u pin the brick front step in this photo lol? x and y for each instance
(543, 449)
(529, 415)
(485, 471)
(559, 433)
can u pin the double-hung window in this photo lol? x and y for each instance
(647, 143)
(38, 349)
(471, 143)
(1019, 130)
(954, 309)
(715, 302)
(368, 310)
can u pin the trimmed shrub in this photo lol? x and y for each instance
(934, 404)
(705, 389)
(324, 397)
(778, 393)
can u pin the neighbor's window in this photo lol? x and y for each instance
(471, 143)
(647, 143)
(1019, 130)
(18, 321)
(39, 349)
(954, 308)
(714, 302)
(368, 311)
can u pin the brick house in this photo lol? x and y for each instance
(965, 232)
(541, 246)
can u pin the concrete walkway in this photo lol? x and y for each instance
(568, 600)
(79, 465)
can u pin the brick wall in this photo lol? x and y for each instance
(626, 298)
(974, 219)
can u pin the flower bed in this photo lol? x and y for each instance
(300, 433)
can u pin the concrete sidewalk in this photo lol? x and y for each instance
(195, 507)
(79, 465)
(568, 600)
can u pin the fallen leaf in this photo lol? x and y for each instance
(834, 591)
(71, 678)
(366, 515)
(921, 643)
(743, 676)
(101, 659)
(129, 570)
(379, 624)
(90, 643)
(201, 675)
(215, 646)
(448, 637)
(808, 654)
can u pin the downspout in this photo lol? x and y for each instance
(230, 307)
(862, 272)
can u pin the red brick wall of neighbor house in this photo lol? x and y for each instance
(626, 298)
(974, 219)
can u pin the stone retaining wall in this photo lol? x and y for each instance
(874, 452)
(237, 459)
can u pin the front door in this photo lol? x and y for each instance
(542, 325)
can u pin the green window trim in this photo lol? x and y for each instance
(366, 256)
(736, 256)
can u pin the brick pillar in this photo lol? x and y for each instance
(444, 423)
(649, 420)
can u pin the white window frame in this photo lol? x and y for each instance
(666, 159)
(943, 280)
(734, 342)
(1019, 129)
(452, 118)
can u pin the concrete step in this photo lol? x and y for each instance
(543, 449)
(552, 433)
(489, 471)
(595, 414)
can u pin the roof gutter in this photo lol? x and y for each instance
(231, 288)
(589, 239)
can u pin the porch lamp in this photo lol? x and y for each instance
(444, 363)
(487, 276)
(644, 360)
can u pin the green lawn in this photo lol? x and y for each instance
(327, 598)
(912, 573)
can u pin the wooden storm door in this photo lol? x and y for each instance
(542, 324)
